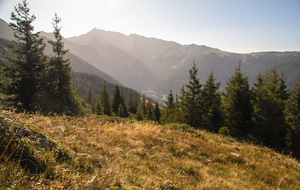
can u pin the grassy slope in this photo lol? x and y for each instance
(138, 155)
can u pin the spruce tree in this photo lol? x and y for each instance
(98, 109)
(105, 100)
(269, 100)
(144, 109)
(237, 104)
(211, 98)
(91, 101)
(293, 120)
(170, 100)
(121, 111)
(191, 99)
(149, 108)
(157, 114)
(131, 107)
(60, 76)
(125, 110)
(116, 100)
(27, 70)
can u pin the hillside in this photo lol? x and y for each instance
(112, 153)
(84, 82)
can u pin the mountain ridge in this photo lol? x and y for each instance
(155, 66)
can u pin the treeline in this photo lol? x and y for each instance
(136, 107)
(266, 114)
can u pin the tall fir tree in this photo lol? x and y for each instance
(91, 101)
(269, 97)
(170, 100)
(237, 104)
(116, 100)
(157, 113)
(211, 98)
(293, 120)
(28, 70)
(144, 109)
(131, 103)
(191, 99)
(105, 100)
(98, 108)
(149, 108)
(60, 75)
(125, 110)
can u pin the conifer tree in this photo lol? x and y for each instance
(27, 70)
(236, 104)
(125, 111)
(131, 107)
(157, 114)
(60, 76)
(269, 100)
(121, 111)
(105, 100)
(144, 109)
(170, 100)
(98, 109)
(191, 99)
(211, 98)
(116, 100)
(293, 120)
(149, 108)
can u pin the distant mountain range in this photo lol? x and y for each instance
(155, 66)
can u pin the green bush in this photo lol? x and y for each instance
(224, 131)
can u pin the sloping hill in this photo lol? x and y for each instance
(112, 153)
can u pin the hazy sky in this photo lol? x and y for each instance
(230, 25)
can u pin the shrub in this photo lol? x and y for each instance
(224, 131)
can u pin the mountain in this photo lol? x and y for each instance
(125, 67)
(5, 31)
(77, 63)
(155, 66)
(169, 62)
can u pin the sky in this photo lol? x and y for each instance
(240, 26)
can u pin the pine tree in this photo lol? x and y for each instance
(27, 70)
(131, 103)
(60, 76)
(98, 109)
(125, 110)
(170, 100)
(116, 100)
(89, 98)
(293, 120)
(211, 98)
(144, 109)
(191, 99)
(157, 114)
(269, 100)
(121, 111)
(105, 100)
(149, 108)
(236, 104)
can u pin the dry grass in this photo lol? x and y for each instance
(141, 155)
